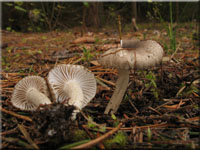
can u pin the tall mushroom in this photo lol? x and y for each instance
(29, 93)
(136, 55)
(73, 84)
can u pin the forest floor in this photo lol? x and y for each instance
(160, 108)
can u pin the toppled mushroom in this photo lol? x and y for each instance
(136, 55)
(29, 93)
(72, 84)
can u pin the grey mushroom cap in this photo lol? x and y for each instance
(29, 93)
(72, 83)
(141, 55)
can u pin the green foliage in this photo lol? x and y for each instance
(118, 141)
(90, 123)
(44, 37)
(149, 134)
(79, 135)
(9, 4)
(191, 89)
(20, 9)
(191, 145)
(39, 51)
(87, 56)
(9, 49)
(171, 32)
(8, 28)
(114, 117)
(36, 12)
(54, 15)
(97, 40)
(69, 146)
(116, 121)
(152, 84)
(86, 4)
(93, 126)
(188, 90)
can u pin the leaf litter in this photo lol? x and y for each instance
(160, 108)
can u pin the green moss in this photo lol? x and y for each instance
(119, 141)
(79, 135)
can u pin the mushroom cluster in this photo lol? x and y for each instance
(131, 55)
(70, 84)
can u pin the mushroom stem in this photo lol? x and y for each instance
(73, 90)
(36, 97)
(121, 86)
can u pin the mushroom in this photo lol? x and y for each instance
(73, 84)
(136, 55)
(29, 93)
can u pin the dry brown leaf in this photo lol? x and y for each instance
(84, 40)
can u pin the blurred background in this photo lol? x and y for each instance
(47, 16)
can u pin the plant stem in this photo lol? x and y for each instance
(171, 32)
(120, 28)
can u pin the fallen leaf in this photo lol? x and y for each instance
(84, 40)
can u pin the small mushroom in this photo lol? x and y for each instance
(29, 93)
(73, 84)
(132, 55)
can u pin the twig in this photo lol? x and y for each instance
(87, 131)
(16, 115)
(172, 56)
(155, 110)
(89, 120)
(108, 82)
(100, 145)
(137, 111)
(8, 132)
(180, 91)
(78, 60)
(164, 104)
(179, 104)
(102, 84)
(142, 127)
(99, 139)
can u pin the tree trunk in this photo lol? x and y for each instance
(93, 15)
(96, 14)
(134, 7)
(84, 18)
